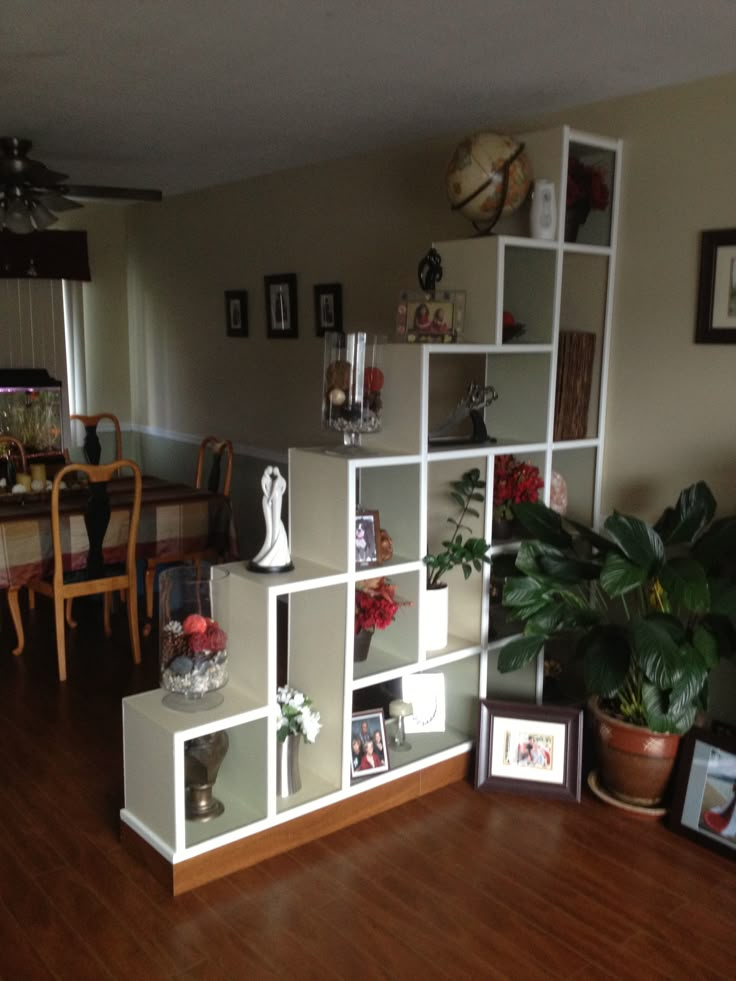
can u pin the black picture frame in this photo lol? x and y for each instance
(327, 308)
(282, 314)
(716, 317)
(367, 538)
(530, 749)
(705, 783)
(236, 313)
(372, 722)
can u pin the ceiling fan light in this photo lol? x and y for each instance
(41, 216)
(17, 217)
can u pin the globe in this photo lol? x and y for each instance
(476, 177)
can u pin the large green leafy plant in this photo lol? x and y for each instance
(650, 608)
(467, 552)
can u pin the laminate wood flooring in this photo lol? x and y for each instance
(457, 884)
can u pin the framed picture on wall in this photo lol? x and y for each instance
(327, 308)
(236, 313)
(282, 315)
(716, 322)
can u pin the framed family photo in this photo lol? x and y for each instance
(530, 749)
(327, 308)
(704, 799)
(434, 317)
(716, 320)
(368, 753)
(282, 315)
(367, 536)
(236, 313)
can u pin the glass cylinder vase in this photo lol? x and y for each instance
(352, 385)
(193, 616)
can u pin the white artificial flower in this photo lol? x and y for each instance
(311, 726)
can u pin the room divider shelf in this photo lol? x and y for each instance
(550, 286)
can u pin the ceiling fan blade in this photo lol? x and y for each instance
(57, 202)
(121, 193)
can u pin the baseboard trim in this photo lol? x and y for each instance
(198, 871)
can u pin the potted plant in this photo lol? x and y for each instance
(296, 720)
(514, 482)
(651, 610)
(376, 607)
(469, 553)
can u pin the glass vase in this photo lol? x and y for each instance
(193, 617)
(352, 386)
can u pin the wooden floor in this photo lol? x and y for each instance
(456, 885)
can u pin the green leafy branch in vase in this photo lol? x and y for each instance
(469, 553)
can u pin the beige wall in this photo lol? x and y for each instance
(365, 222)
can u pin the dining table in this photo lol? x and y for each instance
(175, 519)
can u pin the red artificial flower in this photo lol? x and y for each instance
(514, 482)
(376, 605)
(194, 624)
(586, 184)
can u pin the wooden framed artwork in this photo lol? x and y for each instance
(236, 313)
(327, 308)
(530, 749)
(704, 799)
(282, 315)
(716, 320)
(434, 317)
(368, 752)
(367, 538)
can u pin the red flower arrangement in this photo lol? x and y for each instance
(514, 482)
(586, 188)
(376, 605)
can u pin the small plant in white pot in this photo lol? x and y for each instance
(469, 553)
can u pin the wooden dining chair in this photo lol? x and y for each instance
(92, 446)
(17, 451)
(220, 453)
(111, 552)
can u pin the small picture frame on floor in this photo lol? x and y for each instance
(530, 749)
(704, 798)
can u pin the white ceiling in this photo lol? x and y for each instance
(185, 94)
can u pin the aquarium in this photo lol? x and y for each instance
(30, 410)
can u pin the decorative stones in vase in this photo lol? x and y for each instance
(193, 655)
(352, 385)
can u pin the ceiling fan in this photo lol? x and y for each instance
(31, 194)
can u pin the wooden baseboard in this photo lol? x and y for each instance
(215, 864)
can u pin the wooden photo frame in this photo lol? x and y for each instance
(368, 730)
(716, 319)
(327, 308)
(704, 798)
(367, 539)
(530, 749)
(434, 317)
(282, 314)
(236, 313)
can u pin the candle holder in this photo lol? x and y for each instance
(398, 710)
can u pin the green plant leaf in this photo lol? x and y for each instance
(619, 575)
(607, 657)
(659, 716)
(694, 510)
(518, 652)
(686, 585)
(542, 522)
(657, 641)
(718, 542)
(639, 542)
(723, 597)
(566, 569)
(706, 644)
(591, 537)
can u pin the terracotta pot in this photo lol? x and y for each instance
(634, 764)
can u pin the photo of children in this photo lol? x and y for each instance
(529, 750)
